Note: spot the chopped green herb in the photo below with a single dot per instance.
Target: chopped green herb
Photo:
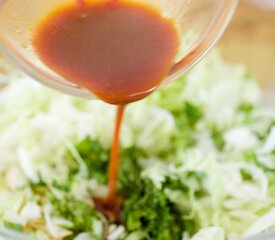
(192, 114)
(250, 156)
(13, 226)
(149, 209)
(218, 139)
(79, 213)
(95, 157)
(246, 108)
(186, 121)
(129, 172)
(246, 176)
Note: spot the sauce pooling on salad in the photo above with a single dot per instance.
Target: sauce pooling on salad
(117, 50)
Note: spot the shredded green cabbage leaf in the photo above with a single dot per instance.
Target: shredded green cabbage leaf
(197, 159)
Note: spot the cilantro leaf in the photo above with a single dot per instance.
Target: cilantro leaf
(13, 226)
(149, 209)
(218, 139)
(95, 157)
(129, 172)
(187, 119)
(81, 214)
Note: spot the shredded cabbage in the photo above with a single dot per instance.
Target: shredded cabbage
(210, 123)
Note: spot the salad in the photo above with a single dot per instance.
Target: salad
(197, 159)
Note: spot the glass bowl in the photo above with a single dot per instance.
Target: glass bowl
(236, 47)
(200, 24)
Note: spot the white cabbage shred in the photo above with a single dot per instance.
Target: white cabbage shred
(38, 126)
